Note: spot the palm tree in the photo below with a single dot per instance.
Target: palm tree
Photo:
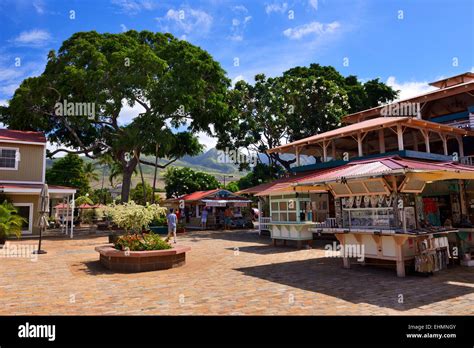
(89, 172)
(10, 221)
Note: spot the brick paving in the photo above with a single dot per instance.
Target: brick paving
(227, 273)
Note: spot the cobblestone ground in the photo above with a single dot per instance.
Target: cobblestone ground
(227, 273)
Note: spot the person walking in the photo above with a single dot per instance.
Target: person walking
(204, 215)
(171, 218)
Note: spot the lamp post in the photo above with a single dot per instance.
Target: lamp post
(229, 176)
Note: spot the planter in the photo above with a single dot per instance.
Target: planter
(159, 229)
(141, 261)
(113, 238)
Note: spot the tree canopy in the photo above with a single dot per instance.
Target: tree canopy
(304, 101)
(180, 181)
(175, 83)
(69, 171)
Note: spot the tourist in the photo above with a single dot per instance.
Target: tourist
(171, 218)
(204, 218)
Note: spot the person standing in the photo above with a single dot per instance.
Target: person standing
(204, 215)
(171, 218)
(227, 218)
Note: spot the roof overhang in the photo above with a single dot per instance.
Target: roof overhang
(368, 126)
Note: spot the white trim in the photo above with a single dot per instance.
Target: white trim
(22, 142)
(30, 218)
(35, 190)
(20, 182)
(43, 178)
(17, 154)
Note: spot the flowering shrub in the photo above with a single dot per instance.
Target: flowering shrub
(133, 217)
(137, 242)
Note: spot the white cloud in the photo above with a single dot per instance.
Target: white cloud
(313, 4)
(409, 89)
(128, 113)
(123, 27)
(3, 102)
(187, 20)
(240, 8)
(39, 6)
(33, 38)
(316, 28)
(205, 139)
(134, 6)
(237, 79)
(276, 7)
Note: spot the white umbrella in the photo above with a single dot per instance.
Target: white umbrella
(44, 212)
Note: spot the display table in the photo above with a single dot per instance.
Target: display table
(298, 231)
(383, 245)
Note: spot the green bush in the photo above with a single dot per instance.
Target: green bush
(136, 242)
(159, 222)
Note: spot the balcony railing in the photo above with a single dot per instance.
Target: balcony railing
(467, 160)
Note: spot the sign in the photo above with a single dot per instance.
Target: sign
(216, 204)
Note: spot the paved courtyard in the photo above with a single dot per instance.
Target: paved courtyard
(236, 273)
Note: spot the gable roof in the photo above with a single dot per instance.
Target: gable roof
(10, 135)
(369, 125)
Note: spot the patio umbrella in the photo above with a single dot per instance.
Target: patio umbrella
(44, 212)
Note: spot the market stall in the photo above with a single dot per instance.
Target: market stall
(217, 203)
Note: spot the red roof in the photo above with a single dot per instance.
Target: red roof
(200, 195)
(195, 196)
(16, 135)
(270, 186)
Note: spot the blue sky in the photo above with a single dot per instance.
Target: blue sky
(406, 43)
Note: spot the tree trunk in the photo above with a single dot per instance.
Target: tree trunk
(154, 175)
(127, 179)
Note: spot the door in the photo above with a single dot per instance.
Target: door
(25, 210)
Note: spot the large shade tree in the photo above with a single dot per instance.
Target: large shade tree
(302, 102)
(175, 83)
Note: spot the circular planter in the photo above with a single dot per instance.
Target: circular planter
(159, 229)
(141, 261)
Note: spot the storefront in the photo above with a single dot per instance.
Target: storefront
(190, 209)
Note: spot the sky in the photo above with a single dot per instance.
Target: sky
(405, 43)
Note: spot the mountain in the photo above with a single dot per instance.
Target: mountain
(207, 162)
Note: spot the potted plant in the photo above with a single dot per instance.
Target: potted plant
(132, 217)
(10, 222)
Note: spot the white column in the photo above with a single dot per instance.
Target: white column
(359, 145)
(381, 141)
(400, 137)
(260, 215)
(445, 143)
(67, 215)
(72, 220)
(461, 146)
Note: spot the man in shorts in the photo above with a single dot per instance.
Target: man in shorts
(171, 218)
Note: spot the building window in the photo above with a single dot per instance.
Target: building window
(8, 158)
